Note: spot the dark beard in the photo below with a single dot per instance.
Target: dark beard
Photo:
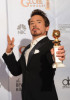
(36, 34)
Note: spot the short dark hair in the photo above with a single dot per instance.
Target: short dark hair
(41, 13)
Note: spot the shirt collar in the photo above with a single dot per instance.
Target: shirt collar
(34, 42)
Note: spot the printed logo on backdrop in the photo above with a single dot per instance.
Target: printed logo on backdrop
(21, 49)
(36, 3)
(21, 29)
(65, 28)
(18, 85)
(66, 82)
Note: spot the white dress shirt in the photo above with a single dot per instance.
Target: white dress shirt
(33, 43)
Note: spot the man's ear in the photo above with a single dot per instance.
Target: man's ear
(47, 28)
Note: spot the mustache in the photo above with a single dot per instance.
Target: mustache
(35, 28)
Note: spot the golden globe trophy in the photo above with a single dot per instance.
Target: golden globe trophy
(56, 35)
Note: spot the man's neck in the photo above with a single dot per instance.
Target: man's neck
(36, 37)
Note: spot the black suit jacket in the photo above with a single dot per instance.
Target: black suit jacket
(38, 75)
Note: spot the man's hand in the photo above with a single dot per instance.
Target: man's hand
(10, 44)
(60, 53)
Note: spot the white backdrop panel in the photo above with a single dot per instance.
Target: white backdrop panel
(14, 21)
(4, 80)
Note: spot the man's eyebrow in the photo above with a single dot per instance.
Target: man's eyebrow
(36, 20)
(39, 20)
(31, 21)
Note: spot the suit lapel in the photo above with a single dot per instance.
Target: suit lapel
(23, 53)
(26, 48)
(32, 52)
(37, 46)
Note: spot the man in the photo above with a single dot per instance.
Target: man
(35, 63)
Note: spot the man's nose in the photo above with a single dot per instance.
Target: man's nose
(34, 25)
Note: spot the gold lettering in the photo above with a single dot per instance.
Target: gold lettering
(39, 1)
(27, 3)
(34, 1)
(30, 1)
(47, 4)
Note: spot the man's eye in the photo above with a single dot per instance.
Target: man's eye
(32, 23)
(39, 22)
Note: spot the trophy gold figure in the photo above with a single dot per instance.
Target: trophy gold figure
(56, 35)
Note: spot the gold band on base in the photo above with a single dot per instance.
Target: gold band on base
(57, 65)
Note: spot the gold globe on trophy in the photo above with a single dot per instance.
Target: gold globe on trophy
(56, 35)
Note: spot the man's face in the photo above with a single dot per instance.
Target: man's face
(37, 26)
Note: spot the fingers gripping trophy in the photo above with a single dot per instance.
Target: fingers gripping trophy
(56, 35)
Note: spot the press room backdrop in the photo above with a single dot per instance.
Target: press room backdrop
(14, 15)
